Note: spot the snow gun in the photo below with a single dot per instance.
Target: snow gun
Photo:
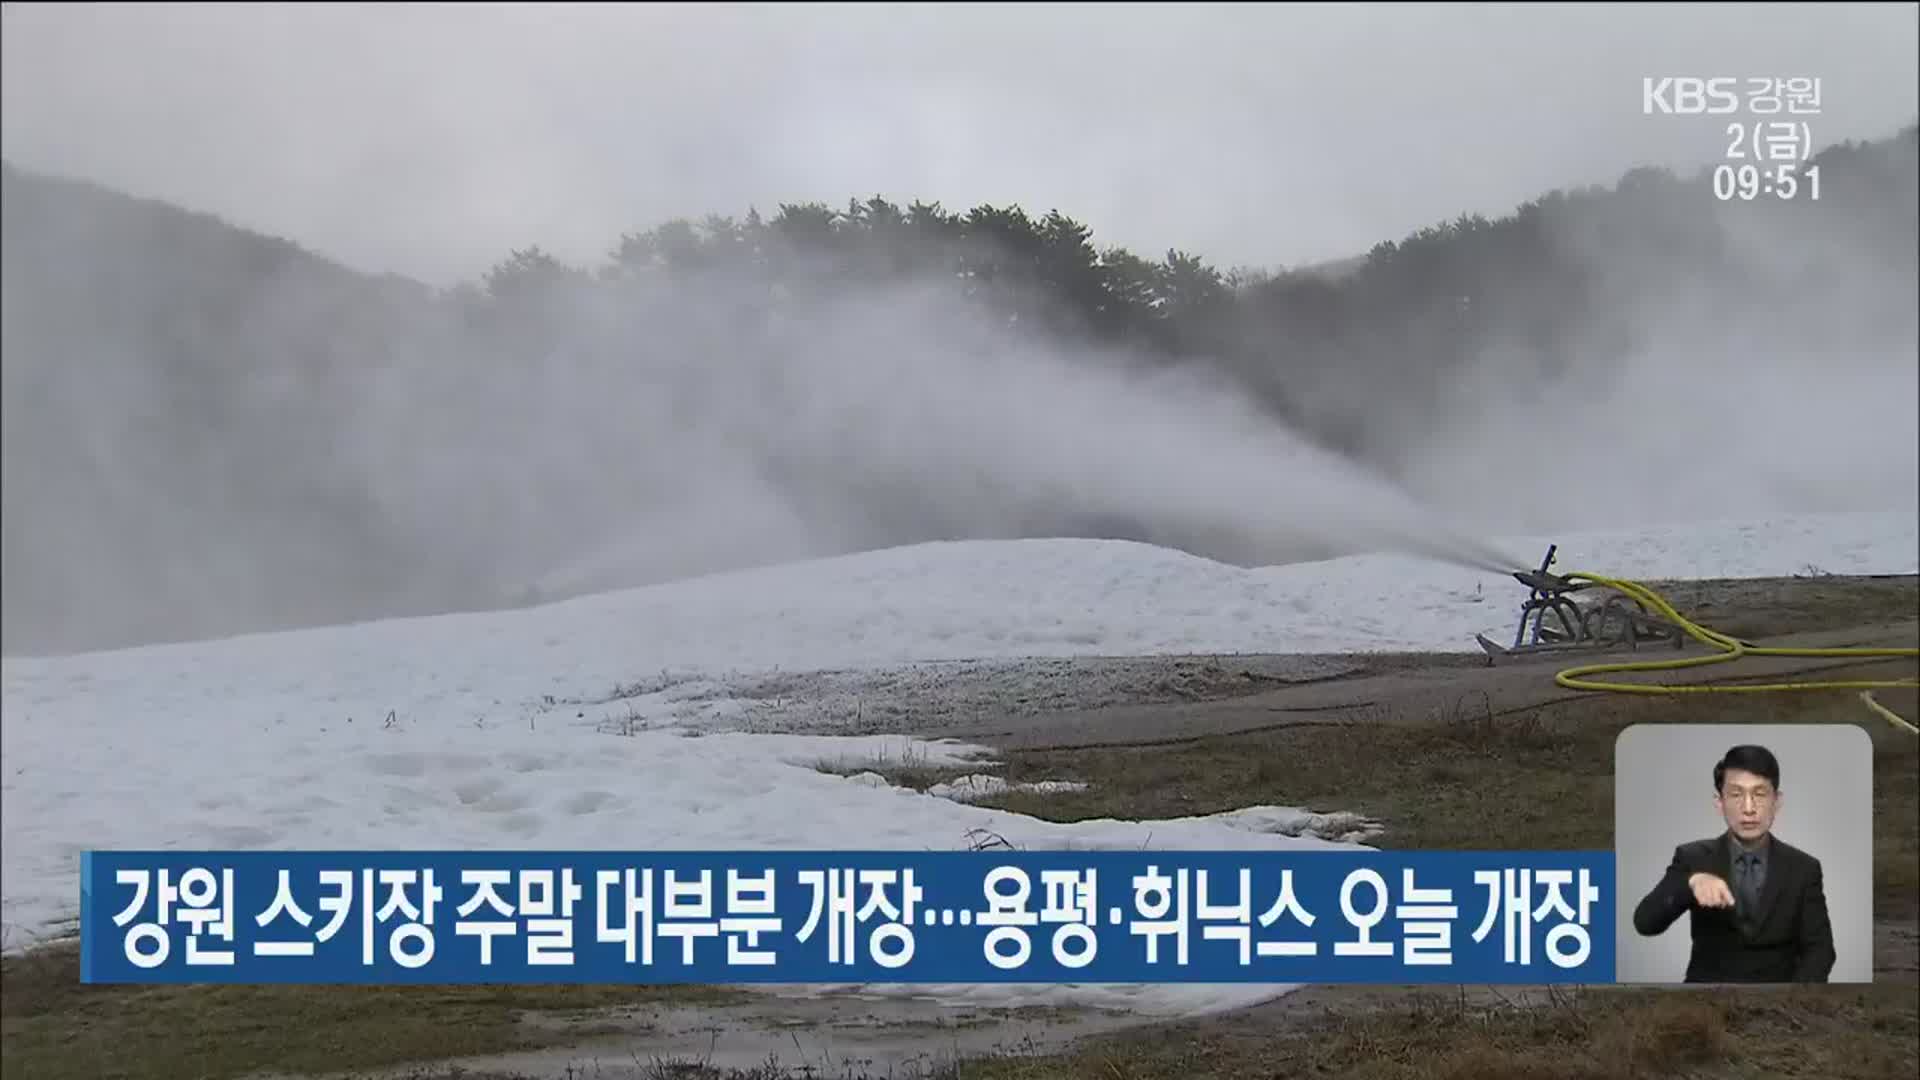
(1554, 620)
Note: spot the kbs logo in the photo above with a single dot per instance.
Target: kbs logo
(1688, 96)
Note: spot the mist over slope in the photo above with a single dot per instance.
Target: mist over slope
(178, 404)
(208, 431)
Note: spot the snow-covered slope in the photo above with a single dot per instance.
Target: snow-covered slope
(456, 731)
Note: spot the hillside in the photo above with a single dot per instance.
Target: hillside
(173, 453)
(207, 430)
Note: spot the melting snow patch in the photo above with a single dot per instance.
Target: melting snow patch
(982, 786)
(1338, 826)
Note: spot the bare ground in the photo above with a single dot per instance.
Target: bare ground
(1394, 737)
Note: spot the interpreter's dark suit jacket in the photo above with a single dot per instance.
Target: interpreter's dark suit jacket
(1789, 938)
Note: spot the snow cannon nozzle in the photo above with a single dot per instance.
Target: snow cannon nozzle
(1539, 579)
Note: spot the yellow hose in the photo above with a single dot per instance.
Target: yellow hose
(1892, 717)
(1730, 649)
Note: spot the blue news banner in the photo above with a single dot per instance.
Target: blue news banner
(447, 917)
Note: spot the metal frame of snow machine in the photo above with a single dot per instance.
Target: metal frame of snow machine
(1553, 621)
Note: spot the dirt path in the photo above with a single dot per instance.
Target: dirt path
(1396, 692)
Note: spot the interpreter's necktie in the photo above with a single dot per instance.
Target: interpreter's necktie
(1747, 884)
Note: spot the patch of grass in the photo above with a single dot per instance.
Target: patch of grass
(53, 1027)
(1469, 780)
(1466, 777)
(1597, 1034)
(1813, 603)
(1896, 811)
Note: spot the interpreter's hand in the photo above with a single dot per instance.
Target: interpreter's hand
(1710, 891)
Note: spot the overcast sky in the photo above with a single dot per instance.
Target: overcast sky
(431, 140)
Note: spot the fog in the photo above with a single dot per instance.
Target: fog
(902, 414)
(207, 435)
(677, 441)
(1791, 388)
